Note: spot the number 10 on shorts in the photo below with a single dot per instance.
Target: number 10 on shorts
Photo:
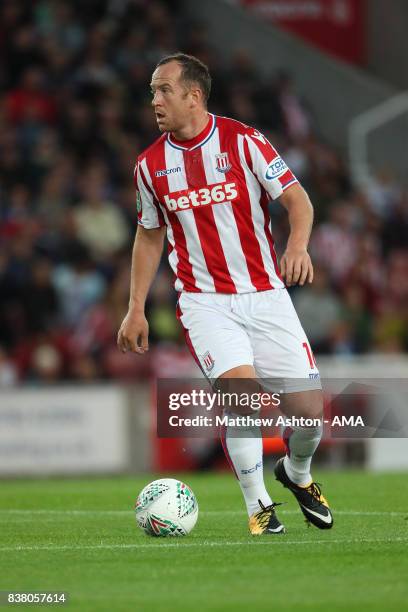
(310, 356)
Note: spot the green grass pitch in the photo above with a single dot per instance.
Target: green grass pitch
(80, 536)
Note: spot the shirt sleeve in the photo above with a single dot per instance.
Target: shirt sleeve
(149, 214)
(267, 165)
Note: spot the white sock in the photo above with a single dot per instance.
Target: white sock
(301, 443)
(246, 457)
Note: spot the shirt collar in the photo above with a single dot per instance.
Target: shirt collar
(197, 141)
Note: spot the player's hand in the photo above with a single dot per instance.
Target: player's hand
(296, 267)
(134, 333)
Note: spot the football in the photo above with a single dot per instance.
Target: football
(166, 507)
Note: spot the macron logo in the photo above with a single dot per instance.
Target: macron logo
(217, 195)
(167, 171)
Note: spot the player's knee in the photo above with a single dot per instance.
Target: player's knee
(239, 395)
(310, 412)
(306, 404)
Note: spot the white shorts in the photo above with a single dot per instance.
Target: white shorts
(260, 329)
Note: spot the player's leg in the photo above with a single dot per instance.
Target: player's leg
(221, 347)
(281, 350)
(302, 442)
(244, 451)
(293, 470)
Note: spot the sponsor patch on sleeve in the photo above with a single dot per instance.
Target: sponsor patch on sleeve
(276, 168)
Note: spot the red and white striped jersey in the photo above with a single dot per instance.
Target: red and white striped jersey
(212, 193)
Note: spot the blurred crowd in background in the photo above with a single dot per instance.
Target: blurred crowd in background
(75, 113)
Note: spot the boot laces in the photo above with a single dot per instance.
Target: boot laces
(265, 513)
(315, 489)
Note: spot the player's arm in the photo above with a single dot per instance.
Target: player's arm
(278, 180)
(296, 265)
(147, 250)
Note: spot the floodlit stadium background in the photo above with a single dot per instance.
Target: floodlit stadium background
(74, 115)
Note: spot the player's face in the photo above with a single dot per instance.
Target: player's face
(172, 101)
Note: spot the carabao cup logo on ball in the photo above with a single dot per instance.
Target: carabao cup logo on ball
(276, 168)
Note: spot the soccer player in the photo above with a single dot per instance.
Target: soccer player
(207, 181)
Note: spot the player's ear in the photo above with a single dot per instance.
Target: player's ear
(196, 96)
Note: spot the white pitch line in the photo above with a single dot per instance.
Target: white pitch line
(269, 542)
(202, 512)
